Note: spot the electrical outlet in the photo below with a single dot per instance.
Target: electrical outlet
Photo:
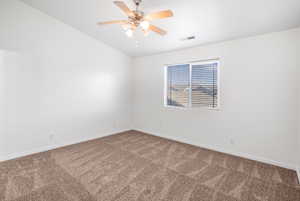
(51, 136)
(115, 124)
(232, 142)
(160, 124)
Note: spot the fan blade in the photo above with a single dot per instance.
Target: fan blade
(159, 15)
(157, 30)
(114, 22)
(124, 8)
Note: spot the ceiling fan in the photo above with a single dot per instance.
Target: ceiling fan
(137, 18)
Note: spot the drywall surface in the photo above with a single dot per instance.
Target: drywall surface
(298, 156)
(58, 85)
(257, 117)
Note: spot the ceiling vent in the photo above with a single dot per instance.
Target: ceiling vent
(188, 38)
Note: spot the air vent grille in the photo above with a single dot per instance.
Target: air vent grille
(188, 38)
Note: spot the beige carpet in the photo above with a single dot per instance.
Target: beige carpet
(134, 166)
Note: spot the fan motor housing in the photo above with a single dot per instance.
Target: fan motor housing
(137, 2)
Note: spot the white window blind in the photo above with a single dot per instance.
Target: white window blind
(193, 85)
(204, 85)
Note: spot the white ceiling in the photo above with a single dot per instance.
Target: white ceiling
(209, 20)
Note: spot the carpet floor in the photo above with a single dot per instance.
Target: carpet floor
(134, 166)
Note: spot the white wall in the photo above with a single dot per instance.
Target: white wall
(258, 99)
(298, 156)
(56, 80)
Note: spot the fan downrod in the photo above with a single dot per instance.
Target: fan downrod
(137, 2)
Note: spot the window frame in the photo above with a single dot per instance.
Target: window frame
(202, 62)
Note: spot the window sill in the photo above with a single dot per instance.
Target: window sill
(191, 108)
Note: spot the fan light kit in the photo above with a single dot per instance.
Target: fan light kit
(137, 18)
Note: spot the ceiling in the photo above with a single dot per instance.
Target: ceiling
(209, 20)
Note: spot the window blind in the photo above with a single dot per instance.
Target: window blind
(204, 85)
(178, 79)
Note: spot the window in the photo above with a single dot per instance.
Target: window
(192, 85)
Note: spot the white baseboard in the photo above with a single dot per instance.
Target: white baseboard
(234, 153)
(239, 154)
(50, 147)
(298, 173)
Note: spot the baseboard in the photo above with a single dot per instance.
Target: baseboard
(50, 147)
(298, 173)
(239, 154)
(234, 153)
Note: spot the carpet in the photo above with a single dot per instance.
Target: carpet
(134, 166)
